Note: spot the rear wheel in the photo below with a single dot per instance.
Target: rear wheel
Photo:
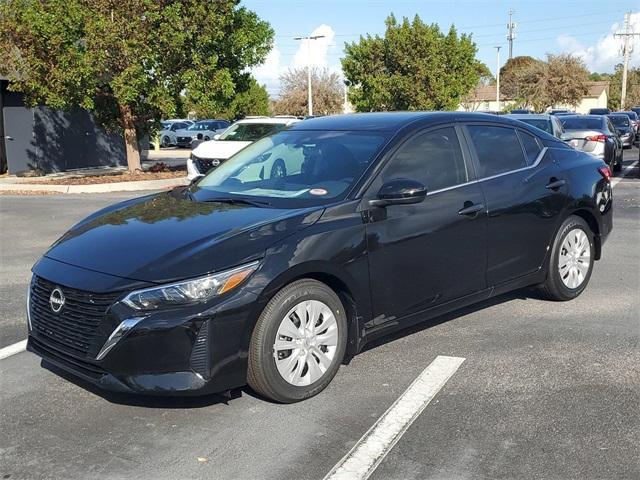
(571, 261)
(298, 343)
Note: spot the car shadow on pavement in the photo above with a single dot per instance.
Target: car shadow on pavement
(523, 294)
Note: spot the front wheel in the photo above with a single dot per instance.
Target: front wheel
(571, 261)
(298, 343)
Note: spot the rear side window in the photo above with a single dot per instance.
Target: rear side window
(433, 158)
(498, 149)
(531, 146)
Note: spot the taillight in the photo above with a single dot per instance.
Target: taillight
(606, 173)
(596, 138)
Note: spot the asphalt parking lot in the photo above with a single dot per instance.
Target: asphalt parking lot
(546, 390)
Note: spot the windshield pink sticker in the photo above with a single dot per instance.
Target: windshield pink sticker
(318, 191)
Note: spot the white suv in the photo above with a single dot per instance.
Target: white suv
(210, 154)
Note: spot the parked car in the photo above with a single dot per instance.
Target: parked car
(599, 111)
(522, 111)
(546, 123)
(388, 219)
(635, 121)
(624, 128)
(561, 111)
(594, 134)
(208, 129)
(169, 131)
(210, 154)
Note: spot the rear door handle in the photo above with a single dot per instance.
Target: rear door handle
(555, 184)
(471, 210)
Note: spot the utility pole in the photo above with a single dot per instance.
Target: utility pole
(498, 76)
(511, 26)
(309, 95)
(626, 35)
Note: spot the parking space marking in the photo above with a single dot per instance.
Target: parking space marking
(623, 173)
(13, 349)
(370, 450)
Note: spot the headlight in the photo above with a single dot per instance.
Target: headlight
(190, 291)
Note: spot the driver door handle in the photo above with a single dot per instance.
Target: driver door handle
(555, 184)
(471, 209)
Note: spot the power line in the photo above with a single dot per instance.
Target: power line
(627, 35)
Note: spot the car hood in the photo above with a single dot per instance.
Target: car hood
(218, 149)
(166, 237)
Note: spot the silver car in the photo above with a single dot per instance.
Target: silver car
(594, 134)
(547, 123)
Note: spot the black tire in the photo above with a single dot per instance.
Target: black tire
(262, 373)
(166, 141)
(206, 139)
(278, 169)
(617, 167)
(553, 287)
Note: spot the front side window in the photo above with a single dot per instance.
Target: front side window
(497, 148)
(433, 158)
(295, 167)
(531, 146)
(250, 132)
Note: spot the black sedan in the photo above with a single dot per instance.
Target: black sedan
(381, 221)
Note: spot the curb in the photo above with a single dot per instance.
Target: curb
(98, 187)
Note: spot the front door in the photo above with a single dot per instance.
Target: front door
(425, 254)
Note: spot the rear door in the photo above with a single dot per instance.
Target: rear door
(525, 191)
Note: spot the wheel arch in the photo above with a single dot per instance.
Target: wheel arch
(591, 220)
(340, 282)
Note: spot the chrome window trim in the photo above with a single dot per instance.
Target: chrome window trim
(529, 167)
(29, 306)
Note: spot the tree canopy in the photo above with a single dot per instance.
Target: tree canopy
(414, 66)
(326, 87)
(560, 80)
(132, 62)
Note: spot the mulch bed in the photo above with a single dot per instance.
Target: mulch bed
(28, 192)
(111, 178)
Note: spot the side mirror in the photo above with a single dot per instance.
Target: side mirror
(400, 191)
(216, 136)
(565, 137)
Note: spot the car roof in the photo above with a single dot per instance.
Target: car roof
(393, 121)
(525, 116)
(277, 121)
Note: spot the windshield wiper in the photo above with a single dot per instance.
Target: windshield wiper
(245, 201)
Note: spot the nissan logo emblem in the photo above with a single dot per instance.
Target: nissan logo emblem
(56, 300)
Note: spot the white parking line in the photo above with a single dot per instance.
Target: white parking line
(624, 171)
(13, 349)
(370, 450)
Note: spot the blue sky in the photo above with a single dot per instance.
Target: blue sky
(582, 27)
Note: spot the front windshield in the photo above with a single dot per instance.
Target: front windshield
(620, 120)
(250, 132)
(540, 123)
(304, 165)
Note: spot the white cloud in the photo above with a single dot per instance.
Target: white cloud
(318, 52)
(607, 52)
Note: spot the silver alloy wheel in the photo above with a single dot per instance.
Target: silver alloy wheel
(306, 343)
(575, 258)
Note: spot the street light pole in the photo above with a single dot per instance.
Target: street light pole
(309, 94)
(498, 76)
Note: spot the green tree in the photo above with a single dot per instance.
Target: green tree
(414, 66)
(130, 62)
(252, 100)
(615, 88)
(326, 87)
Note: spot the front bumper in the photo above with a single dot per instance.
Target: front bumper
(194, 350)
